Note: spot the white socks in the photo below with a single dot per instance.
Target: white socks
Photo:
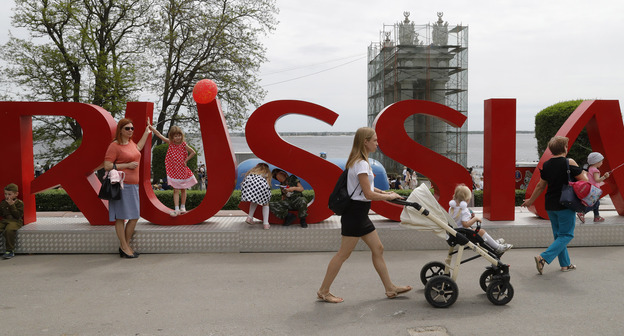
(488, 240)
(252, 209)
(265, 214)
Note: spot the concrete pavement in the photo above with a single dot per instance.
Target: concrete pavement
(274, 294)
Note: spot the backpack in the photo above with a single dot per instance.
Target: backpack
(340, 199)
(586, 192)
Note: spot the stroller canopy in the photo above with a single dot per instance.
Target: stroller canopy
(413, 219)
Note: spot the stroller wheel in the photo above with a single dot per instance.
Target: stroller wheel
(430, 270)
(486, 278)
(441, 291)
(500, 293)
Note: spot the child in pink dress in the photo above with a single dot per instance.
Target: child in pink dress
(594, 160)
(179, 176)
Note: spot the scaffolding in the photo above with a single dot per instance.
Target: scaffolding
(424, 62)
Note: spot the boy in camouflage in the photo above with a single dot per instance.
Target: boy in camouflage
(292, 199)
(12, 213)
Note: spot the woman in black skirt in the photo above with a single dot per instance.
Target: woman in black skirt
(355, 223)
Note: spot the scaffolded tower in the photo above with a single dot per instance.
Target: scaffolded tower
(425, 62)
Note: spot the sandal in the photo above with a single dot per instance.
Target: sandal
(568, 268)
(329, 297)
(539, 263)
(397, 291)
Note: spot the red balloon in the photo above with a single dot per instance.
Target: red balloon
(205, 91)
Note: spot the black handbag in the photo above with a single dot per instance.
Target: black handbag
(109, 190)
(568, 197)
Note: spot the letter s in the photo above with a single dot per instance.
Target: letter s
(394, 142)
(269, 146)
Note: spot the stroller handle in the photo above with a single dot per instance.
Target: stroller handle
(417, 206)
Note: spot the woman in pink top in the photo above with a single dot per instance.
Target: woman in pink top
(594, 160)
(124, 155)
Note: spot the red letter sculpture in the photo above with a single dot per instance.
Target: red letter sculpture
(74, 173)
(221, 173)
(603, 120)
(264, 141)
(394, 142)
(499, 159)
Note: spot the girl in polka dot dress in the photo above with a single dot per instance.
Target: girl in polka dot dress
(256, 189)
(179, 176)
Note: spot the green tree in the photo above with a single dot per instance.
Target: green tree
(78, 51)
(104, 52)
(549, 121)
(219, 39)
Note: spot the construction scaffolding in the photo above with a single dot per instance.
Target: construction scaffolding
(424, 62)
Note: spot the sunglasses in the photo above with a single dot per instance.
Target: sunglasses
(129, 128)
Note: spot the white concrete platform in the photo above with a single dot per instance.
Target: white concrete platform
(65, 232)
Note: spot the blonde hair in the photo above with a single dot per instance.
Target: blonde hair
(358, 151)
(462, 193)
(261, 169)
(173, 131)
(558, 145)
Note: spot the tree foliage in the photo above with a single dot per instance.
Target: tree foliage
(192, 40)
(78, 51)
(549, 121)
(109, 52)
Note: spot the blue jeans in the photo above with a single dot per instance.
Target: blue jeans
(562, 222)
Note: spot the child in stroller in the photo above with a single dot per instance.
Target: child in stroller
(465, 219)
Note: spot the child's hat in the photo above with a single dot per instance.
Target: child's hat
(594, 157)
(11, 187)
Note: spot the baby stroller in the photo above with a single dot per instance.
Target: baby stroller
(423, 212)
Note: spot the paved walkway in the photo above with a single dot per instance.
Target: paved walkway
(274, 294)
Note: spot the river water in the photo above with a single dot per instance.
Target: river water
(339, 146)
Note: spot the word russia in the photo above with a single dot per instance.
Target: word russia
(75, 173)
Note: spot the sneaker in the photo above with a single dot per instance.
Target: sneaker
(173, 213)
(581, 216)
(8, 255)
(183, 210)
(266, 226)
(500, 241)
(502, 248)
(598, 219)
(303, 223)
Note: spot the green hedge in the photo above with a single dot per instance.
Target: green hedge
(549, 120)
(58, 200)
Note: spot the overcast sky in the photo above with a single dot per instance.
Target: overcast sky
(539, 52)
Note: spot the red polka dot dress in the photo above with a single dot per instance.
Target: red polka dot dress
(179, 176)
